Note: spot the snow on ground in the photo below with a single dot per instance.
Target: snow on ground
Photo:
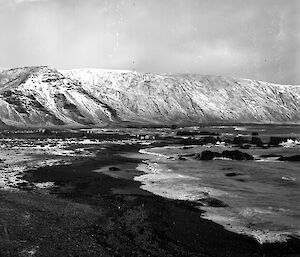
(19, 155)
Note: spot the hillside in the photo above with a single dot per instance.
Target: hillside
(43, 96)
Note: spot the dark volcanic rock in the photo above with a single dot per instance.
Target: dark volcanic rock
(275, 141)
(208, 155)
(181, 158)
(237, 155)
(231, 174)
(234, 155)
(114, 168)
(254, 134)
(293, 158)
(256, 141)
(270, 155)
(240, 140)
(190, 141)
(209, 140)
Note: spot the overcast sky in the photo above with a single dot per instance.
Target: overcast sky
(258, 39)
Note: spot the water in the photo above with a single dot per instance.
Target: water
(263, 198)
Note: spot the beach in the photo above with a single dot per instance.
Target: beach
(97, 209)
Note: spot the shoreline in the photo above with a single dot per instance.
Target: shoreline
(121, 219)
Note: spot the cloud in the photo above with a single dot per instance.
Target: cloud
(29, 1)
(24, 1)
(254, 39)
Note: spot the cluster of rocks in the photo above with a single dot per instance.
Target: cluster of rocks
(234, 155)
(241, 141)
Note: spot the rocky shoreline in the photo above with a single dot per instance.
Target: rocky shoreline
(90, 213)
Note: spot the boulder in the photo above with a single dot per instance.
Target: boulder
(237, 155)
(231, 174)
(275, 141)
(114, 169)
(209, 140)
(240, 140)
(209, 155)
(234, 155)
(256, 141)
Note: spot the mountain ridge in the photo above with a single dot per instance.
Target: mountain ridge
(41, 96)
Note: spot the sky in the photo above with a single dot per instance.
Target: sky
(255, 39)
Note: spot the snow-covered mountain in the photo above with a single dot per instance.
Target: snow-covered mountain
(43, 96)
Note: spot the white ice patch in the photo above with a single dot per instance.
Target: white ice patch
(290, 143)
(44, 185)
(142, 151)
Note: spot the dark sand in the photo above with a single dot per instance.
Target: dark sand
(94, 214)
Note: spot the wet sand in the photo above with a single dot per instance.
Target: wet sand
(92, 213)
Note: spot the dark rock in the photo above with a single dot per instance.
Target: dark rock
(293, 158)
(208, 133)
(240, 140)
(114, 168)
(185, 133)
(234, 155)
(181, 158)
(270, 155)
(231, 174)
(275, 141)
(256, 141)
(208, 155)
(190, 155)
(237, 155)
(187, 147)
(254, 133)
(245, 146)
(190, 141)
(209, 140)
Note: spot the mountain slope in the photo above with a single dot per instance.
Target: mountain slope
(42, 96)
